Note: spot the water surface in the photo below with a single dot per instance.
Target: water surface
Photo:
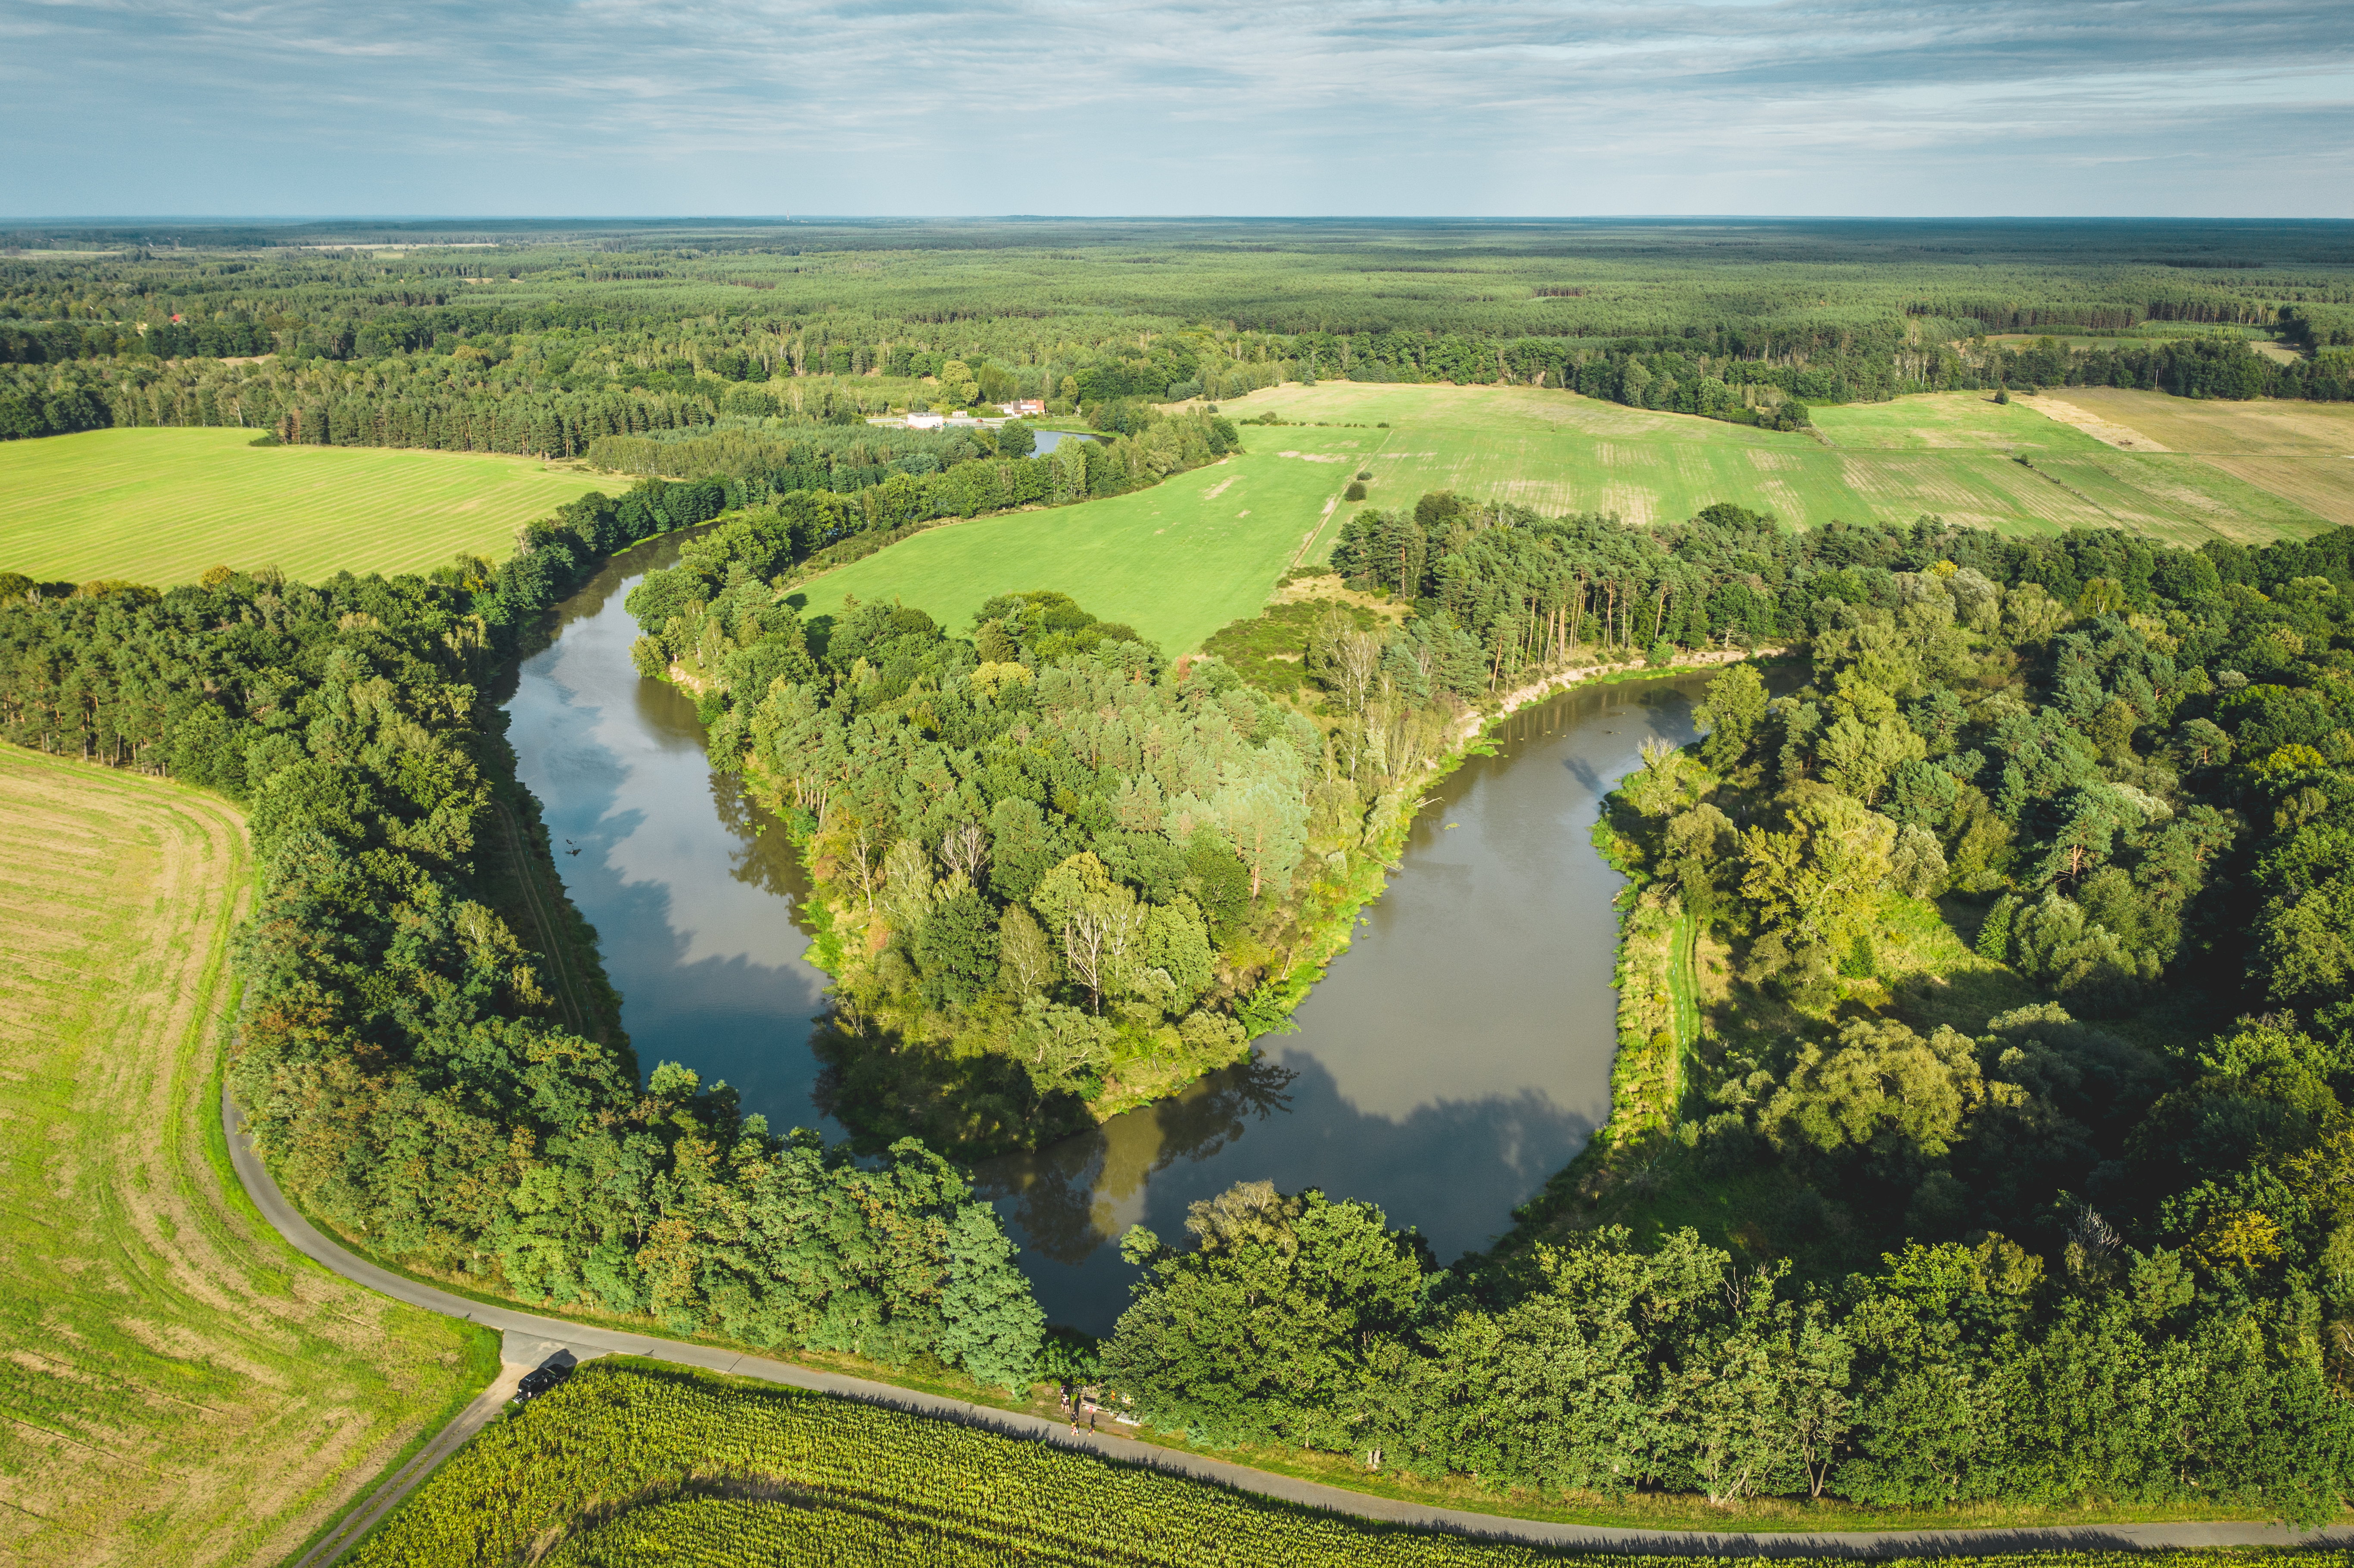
(692, 887)
(1453, 1058)
(1456, 1056)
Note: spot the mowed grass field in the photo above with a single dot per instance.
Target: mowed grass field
(1954, 454)
(161, 505)
(1176, 562)
(178, 1385)
(2301, 452)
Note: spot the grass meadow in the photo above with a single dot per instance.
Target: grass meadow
(180, 1386)
(160, 505)
(1176, 562)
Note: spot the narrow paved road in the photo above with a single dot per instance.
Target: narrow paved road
(545, 1336)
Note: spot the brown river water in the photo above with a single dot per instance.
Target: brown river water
(1453, 1058)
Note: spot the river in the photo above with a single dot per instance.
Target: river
(1454, 1057)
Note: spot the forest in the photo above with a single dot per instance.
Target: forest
(2013, 1162)
(2070, 1215)
(404, 1059)
(549, 342)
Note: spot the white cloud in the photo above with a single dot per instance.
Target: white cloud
(1491, 106)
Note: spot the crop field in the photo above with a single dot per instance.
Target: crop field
(633, 1462)
(180, 1386)
(1176, 562)
(160, 505)
(1953, 454)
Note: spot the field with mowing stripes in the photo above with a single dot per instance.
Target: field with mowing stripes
(1176, 562)
(181, 1386)
(2301, 452)
(160, 505)
(1955, 454)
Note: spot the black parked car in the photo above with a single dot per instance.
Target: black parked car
(535, 1383)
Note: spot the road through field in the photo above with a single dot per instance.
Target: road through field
(176, 1384)
(585, 1341)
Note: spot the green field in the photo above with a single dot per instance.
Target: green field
(161, 505)
(1951, 454)
(1176, 562)
(1182, 559)
(180, 1386)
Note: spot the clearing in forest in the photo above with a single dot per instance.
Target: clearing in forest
(160, 505)
(179, 1385)
(1176, 562)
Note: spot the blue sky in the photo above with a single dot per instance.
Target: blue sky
(1490, 107)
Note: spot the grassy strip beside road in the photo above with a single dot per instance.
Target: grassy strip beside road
(159, 506)
(180, 1387)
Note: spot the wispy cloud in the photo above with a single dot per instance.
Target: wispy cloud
(1490, 106)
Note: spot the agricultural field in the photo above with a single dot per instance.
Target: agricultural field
(1187, 557)
(160, 505)
(1176, 561)
(632, 1462)
(609, 1469)
(2301, 452)
(181, 1386)
(1955, 454)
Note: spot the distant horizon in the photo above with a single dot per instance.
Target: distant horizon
(120, 220)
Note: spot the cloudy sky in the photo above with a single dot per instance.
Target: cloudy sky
(1488, 107)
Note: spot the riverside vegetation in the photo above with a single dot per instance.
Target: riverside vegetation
(2047, 724)
(417, 1075)
(2058, 1213)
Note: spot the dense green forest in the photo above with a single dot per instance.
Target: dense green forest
(549, 339)
(1064, 872)
(405, 1061)
(2068, 1216)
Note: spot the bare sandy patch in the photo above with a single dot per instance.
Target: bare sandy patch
(2107, 431)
